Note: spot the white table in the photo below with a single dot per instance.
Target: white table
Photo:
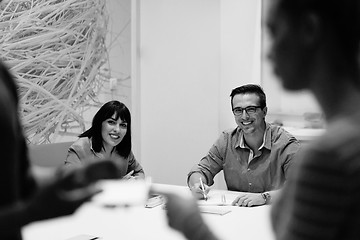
(150, 223)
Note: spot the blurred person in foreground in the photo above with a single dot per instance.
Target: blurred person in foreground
(24, 197)
(315, 47)
(109, 137)
(255, 156)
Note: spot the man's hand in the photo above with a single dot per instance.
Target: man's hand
(198, 192)
(248, 200)
(195, 185)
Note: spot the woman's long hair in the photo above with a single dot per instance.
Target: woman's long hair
(105, 112)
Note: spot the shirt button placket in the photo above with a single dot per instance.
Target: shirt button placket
(248, 177)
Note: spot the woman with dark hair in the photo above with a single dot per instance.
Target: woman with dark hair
(108, 138)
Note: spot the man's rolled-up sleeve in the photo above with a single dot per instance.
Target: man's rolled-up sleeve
(290, 154)
(212, 163)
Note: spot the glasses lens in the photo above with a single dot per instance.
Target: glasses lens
(250, 109)
(237, 111)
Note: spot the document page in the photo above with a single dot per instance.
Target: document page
(218, 199)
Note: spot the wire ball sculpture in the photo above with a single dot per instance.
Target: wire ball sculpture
(56, 51)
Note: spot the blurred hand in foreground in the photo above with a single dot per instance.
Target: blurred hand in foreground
(184, 215)
(63, 194)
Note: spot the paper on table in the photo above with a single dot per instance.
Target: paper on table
(218, 199)
(214, 210)
(122, 193)
(83, 237)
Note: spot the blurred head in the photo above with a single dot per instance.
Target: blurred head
(8, 80)
(13, 145)
(306, 31)
(111, 125)
(248, 104)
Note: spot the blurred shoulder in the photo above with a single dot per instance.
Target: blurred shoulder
(279, 132)
(338, 148)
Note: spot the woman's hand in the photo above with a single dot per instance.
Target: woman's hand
(129, 175)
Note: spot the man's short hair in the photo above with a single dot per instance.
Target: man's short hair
(250, 88)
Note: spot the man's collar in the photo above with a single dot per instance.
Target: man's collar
(266, 138)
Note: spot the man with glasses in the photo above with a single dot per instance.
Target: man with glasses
(255, 156)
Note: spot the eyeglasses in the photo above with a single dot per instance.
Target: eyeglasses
(249, 110)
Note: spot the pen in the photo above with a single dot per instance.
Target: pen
(203, 189)
(223, 199)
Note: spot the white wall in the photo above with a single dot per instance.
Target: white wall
(118, 41)
(179, 65)
(240, 51)
(187, 56)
